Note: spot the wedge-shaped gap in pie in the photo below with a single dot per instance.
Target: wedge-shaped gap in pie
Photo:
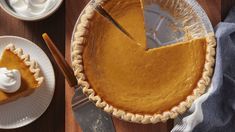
(160, 21)
(134, 84)
(139, 81)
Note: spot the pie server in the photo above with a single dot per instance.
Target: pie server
(90, 118)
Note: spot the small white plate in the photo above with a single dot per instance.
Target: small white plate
(27, 109)
(9, 10)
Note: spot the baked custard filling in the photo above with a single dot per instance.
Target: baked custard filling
(29, 82)
(13, 61)
(128, 13)
(130, 78)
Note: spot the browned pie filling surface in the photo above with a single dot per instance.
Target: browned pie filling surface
(130, 78)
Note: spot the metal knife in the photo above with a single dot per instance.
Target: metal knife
(89, 117)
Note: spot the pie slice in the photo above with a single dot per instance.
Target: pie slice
(13, 58)
(131, 83)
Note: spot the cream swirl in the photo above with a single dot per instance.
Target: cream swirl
(10, 80)
(31, 8)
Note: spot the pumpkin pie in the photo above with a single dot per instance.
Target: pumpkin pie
(130, 82)
(14, 58)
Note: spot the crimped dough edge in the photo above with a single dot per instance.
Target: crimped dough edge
(78, 41)
(33, 65)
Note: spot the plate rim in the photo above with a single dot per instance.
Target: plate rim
(20, 125)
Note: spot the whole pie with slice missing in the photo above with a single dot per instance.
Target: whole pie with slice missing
(14, 58)
(130, 82)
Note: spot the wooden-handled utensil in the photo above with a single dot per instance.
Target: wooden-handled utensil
(90, 118)
(61, 62)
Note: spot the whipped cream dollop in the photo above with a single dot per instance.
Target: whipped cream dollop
(32, 8)
(10, 80)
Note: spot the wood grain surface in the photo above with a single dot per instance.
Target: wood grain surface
(59, 116)
(53, 119)
(73, 9)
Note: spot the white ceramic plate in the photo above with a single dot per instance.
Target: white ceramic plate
(27, 109)
(8, 10)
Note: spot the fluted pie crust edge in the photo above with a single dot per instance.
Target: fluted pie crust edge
(33, 66)
(78, 42)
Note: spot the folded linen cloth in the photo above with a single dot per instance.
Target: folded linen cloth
(215, 110)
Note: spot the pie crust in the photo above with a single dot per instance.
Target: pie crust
(77, 48)
(33, 68)
(33, 65)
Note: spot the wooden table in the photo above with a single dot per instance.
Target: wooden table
(58, 117)
(53, 119)
(73, 9)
